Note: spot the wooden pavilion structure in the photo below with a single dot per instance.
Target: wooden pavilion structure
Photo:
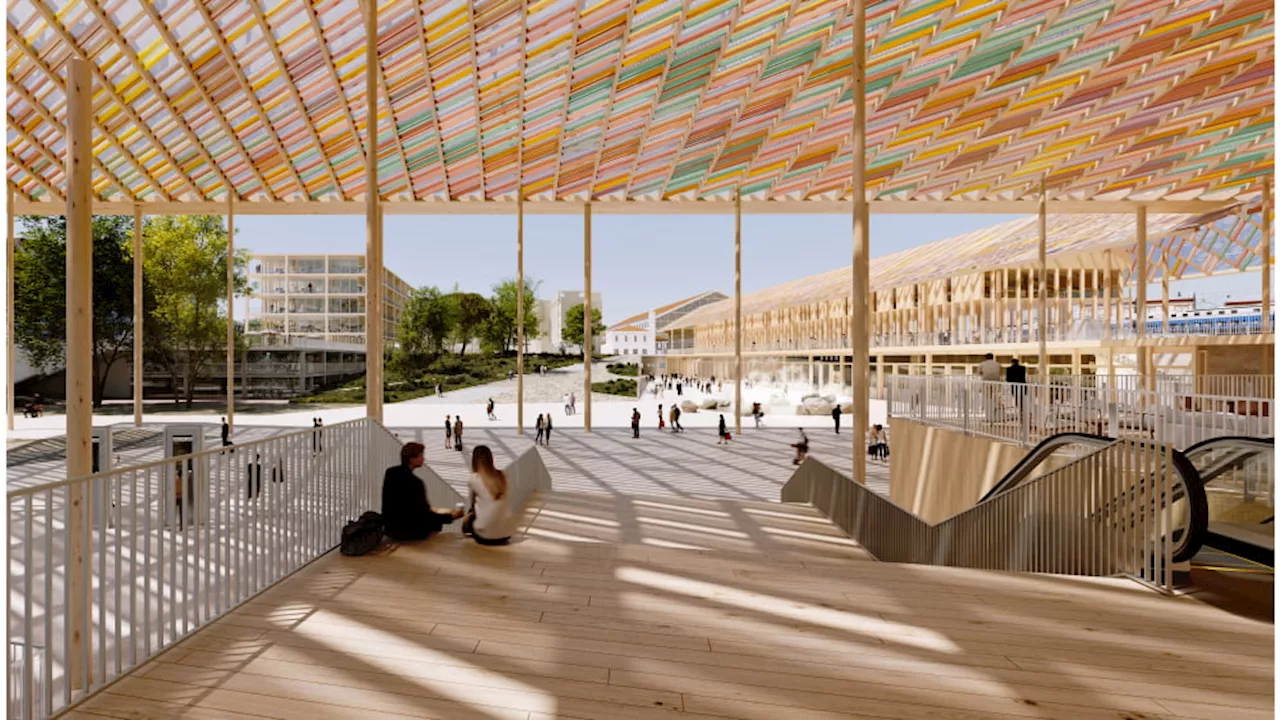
(626, 106)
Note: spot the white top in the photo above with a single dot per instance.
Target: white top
(989, 370)
(494, 519)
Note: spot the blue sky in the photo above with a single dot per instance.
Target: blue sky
(638, 261)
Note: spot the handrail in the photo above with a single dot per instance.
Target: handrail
(1100, 515)
(107, 570)
(1039, 454)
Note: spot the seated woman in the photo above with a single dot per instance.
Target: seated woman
(406, 514)
(490, 521)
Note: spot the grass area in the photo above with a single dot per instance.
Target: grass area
(624, 369)
(451, 371)
(624, 386)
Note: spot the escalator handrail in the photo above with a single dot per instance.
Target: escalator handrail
(1244, 439)
(1039, 454)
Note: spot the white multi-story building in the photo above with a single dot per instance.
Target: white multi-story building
(645, 334)
(551, 321)
(319, 297)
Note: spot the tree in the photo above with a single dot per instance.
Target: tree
(185, 258)
(40, 293)
(428, 321)
(574, 327)
(498, 332)
(473, 310)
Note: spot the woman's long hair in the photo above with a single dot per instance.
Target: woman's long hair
(495, 481)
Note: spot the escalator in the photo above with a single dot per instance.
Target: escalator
(1235, 569)
(1190, 508)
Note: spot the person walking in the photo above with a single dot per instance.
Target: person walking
(662, 420)
(566, 404)
(439, 391)
(320, 434)
(573, 404)
(541, 426)
(448, 432)
(546, 439)
(489, 409)
(635, 423)
(457, 434)
(679, 390)
(675, 418)
(755, 414)
(835, 415)
(226, 433)
(724, 432)
(802, 448)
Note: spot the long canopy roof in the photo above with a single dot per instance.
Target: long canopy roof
(647, 99)
(1193, 246)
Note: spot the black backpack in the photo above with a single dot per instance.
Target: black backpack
(361, 537)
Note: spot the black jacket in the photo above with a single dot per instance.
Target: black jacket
(405, 511)
(1016, 374)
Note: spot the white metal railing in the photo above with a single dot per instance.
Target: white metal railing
(1242, 385)
(1029, 413)
(108, 570)
(1109, 513)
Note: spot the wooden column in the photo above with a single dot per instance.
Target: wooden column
(1106, 295)
(231, 310)
(1265, 218)
(586, 314)
(1041, 290)
(1140, 288)
(138, 318)
(373, 222)
(1164, 289)
(737, 314)
(520, 312)
(861, 282)
(10, 246)
(79, 373)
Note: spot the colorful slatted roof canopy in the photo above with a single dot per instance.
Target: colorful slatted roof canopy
(647, 99)
(1224, 242)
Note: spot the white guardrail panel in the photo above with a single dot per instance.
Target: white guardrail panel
(170, 546)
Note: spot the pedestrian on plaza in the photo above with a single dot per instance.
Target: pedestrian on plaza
(226, 433)
(878, 443)
(662, 421)
(541, 430)
(1016, 375)
(635, 423)
(406, 513)
(835, 415)
(546, 439)
(457, 434)
(566, 404)
(724, 432)
(489, 409)
(448, 432)
(439, 391)
(573, 403)
(802, 448)
(490, 520)
(755, 414)
(675, 421)
(679, 389)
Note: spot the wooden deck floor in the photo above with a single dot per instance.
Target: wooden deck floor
(670, 608)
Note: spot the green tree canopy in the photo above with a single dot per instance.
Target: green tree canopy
(473, 310)
(498, 332)
(40, 293)
(428, 321)
(185, 259)
(574, 327)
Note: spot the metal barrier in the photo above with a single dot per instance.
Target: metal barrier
(184, 541)
(1029, 413)
(1106, 514)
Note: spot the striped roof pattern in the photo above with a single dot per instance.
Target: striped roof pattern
(1225, 242)
(660, 311)
(648, 99)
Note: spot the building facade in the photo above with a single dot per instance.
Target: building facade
(646, 333)
(551, 322)
(319, 297)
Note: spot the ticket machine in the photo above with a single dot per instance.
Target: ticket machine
(185, 476)
(102, 490)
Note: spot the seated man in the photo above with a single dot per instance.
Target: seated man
(406, 514)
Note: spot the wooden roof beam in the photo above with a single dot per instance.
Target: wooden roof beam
(613, 92)
(323, 46)
(292, 87)
(246, 87)
(58, 82)
(38, 179)
(475, 78)
(175, 47)
(104, 83)
(581, 6)
(657, 95)
(420, 15)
